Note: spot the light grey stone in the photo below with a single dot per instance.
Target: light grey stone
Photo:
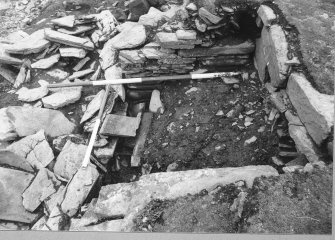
(62, 98)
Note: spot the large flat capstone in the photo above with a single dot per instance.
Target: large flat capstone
(29, 120)
(129, 198)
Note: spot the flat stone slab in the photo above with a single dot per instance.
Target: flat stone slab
(72, 52)
(130, 198)
(129, 38)
(123, 126)
(67, 21)
(34, 43)
(7, 129)
(29, 120)
(35, 149)
(69, 40)
(246, 47)
(44, 184)
(69, 160)
(62, 98)
(316, 110)
(8, 158)
(46, 62)
(78, 189)
(108, 56)
(31, 95)
(12, 185)
(93, 106)
(6, 58)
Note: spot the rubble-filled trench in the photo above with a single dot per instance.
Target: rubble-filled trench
(192, 146)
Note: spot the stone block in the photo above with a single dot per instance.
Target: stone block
(266, 14)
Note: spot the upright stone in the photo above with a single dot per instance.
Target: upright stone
(138, 8)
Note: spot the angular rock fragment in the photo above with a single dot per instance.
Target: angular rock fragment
(28, 121)
(23, 73)
(59, 142)
(67, 21)
(13, 183)
(35, 149)
(44, 184)
(62, 98)
(58, 74)
(186, 34)
(93, 106)
(76, 30)
(35, 43)
(54, 199)
(207, 16)
(115, 72)
(78, 189)
(7, 73)
(66, 39)
(69, 160)
(129, 38)
(72, 52)
(266, 14)
(156, 104)
(107, 151)
(141, 138)
(108, 56)
(107, 24)
(192, 7)
(152, 17)
(7, 129)
(115, 125)
(8, 158)
(46, 62)
(80, 74)
(231, 80)
(133, 55)
(170, 40)
(316, 110)
(31, 95)
(81, 64)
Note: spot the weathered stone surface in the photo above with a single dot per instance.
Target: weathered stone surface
(31, 95)
(115, 72)
(35, 149)
(107, 26)
(108, 151)
(44, 184)
(54, 199)
(115, 125)
(192, 7)
(33, 44)
(72, 52)
(151, 18)
(81, 64)
(67, 39)
(12, 185)
(129, 38)
(170, 40)
(207, 16)
(29, 120)
(58, 74)
(315, 110)
(7, 129)
(141, 138)
(246, 47)
(59, 142)
(40, 224)
(93, 106)
(46, 62)
(129, 198)
(23, 75)
(80, 74)
(152, 53)
(76, 30)
(186, 34)
(62, 98)
(156, 104)
(108, 56)
(67, 21)
(266, 14)
(259, 59)
(78, 189)
(8, 158)
(7, 73)
(138, 8)
(133, 56)
(69, 160)
(304, 143)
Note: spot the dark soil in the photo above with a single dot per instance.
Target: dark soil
(190, 134)
(297, 203)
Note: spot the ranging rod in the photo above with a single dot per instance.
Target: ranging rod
(146, 79)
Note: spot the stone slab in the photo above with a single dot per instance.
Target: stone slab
(12, 185)
(62, 98)
(29, 120)
(8, 158)
(123, 126)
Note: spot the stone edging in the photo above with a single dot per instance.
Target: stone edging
(313, 128)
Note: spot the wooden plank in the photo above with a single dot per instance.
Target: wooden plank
(67, 39)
